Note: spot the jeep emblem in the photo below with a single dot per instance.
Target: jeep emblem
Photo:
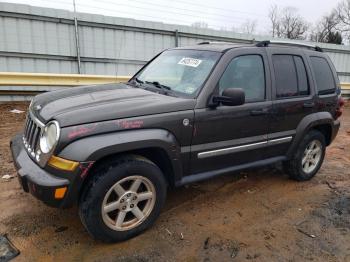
(186, 122)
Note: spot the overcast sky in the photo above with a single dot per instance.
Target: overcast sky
(218, 14)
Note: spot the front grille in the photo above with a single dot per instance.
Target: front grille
(31, 135)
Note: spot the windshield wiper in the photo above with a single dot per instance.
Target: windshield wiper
(135, 82)
(138, 80)
(158, 85)
(153, 83)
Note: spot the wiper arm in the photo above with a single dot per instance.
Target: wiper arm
(138, 80)
(135, 82)
(157, 84)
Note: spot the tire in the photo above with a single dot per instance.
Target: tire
(104, 191)
(296, 167)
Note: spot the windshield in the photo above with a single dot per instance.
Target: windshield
(182, 71)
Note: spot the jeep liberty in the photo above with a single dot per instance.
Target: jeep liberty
(191, 113)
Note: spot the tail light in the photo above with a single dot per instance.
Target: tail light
(340, 106)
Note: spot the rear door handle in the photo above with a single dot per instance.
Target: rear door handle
(259, 112)
(309, 104)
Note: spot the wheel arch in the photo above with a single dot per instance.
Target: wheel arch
(154, 155)
(326, 130)
(321, 121)
(157, 145)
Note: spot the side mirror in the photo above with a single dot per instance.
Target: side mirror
(230, 97)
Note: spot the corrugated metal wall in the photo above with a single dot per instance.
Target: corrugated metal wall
(42, 40)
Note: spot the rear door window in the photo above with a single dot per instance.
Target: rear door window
(290, 76)
(323, 74)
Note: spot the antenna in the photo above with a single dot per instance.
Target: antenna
(118, 56)
(76, 37)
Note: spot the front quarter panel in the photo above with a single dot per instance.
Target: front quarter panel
(93, 141)
(96, 147)
(93, 148)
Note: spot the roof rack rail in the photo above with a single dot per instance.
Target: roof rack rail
(288, 43)
(204, 43)
(215, 42)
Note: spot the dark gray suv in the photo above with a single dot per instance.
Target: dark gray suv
(189, 114)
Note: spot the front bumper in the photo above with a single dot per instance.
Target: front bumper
(33, 178)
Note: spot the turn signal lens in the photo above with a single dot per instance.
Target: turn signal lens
(62, 163)
(60, 192)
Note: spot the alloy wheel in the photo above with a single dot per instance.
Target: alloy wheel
(128, 203)
(312, 156)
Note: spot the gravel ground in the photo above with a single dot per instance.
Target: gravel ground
(256, 215)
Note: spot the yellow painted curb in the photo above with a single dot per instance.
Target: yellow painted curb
(44, 79)
(345, 86)
(47, 79)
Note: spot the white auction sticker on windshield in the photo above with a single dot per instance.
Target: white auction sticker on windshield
(187, 61)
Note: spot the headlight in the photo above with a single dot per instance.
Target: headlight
(49, 137)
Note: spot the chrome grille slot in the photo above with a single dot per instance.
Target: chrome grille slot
(26, 126)
(30, 122)
(36, 137)
(31, 134)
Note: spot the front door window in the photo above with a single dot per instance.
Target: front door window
(246, 72)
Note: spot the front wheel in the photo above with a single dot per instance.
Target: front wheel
(308, 158)
(122, 200)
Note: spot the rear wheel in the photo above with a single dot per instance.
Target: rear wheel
(122, 200)
(308, 158)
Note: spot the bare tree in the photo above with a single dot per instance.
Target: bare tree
(342, 12)
(249, 27)
(326, 30)
(200, 24)
(292, 25)
(287, 23)
(273, 15)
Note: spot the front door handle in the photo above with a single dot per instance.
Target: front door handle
(309, 104)
(259, 112)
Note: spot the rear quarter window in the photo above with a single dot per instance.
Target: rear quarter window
(323, 75)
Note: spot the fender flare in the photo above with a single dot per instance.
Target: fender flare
(306, 124)
(96, 147)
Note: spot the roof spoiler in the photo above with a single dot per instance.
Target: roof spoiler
(288, 43)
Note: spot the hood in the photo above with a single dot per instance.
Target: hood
(80, 105)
